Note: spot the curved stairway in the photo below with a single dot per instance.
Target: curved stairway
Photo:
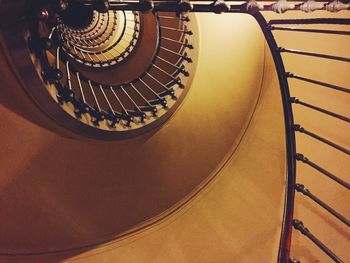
(204, 184)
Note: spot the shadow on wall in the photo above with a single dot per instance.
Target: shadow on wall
(58, 192)
(13, 98)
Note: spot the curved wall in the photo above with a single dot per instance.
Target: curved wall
(237, 217)
(59, 192)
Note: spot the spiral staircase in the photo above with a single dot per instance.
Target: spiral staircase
(174, 131)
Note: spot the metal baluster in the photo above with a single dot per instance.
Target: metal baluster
(169, 90)
(300, 129)
(321, 31)
(312, 54)
(81, 107)
(142, 114)
(320, 83)
(176, 80)
(68, 76)
(128, 116)
(310, 21)
(297, 224)
(335, 115)
(153, 108)
(80, 87)
(185, 31)
(94, 95)
(185, 44)
(183, 18)
(162, 100)
(58, 58)
(305, 160)
(112, 113)
(302, 189)
(183, 56)
(181, 69)
(106, 98)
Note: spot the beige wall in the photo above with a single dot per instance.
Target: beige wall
(59, 192)
(236, 218)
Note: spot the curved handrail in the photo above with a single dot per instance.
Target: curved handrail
(286, 233)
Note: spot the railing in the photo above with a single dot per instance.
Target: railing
(77, 62)
(274, 25)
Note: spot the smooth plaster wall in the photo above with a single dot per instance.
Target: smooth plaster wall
(59, 192)
(237, 217)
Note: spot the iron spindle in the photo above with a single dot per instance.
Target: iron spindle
(302, 189)
(335, 115)
(320, 83)
(305, 160)
(298, 225)
(307, 30)
(331, 21)
(300, 129)
(312, 54)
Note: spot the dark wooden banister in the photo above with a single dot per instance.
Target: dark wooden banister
(286, 233)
